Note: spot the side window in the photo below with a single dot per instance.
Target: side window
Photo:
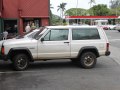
(85, 34)
(57, 35)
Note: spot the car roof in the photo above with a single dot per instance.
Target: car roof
(71, 26)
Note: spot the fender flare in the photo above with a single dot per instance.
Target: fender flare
(90, 48)
(21, 49)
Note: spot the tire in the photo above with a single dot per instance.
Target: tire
(20, 62)
(87, 60)
(118, 30)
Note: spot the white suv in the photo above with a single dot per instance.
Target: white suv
(80, 44)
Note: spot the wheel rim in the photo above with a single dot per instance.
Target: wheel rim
(22, 63)
(88, 60)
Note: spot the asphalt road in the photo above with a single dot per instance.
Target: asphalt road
(114, 38)
(63, 75)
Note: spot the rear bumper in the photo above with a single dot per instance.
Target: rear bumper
(107, 53)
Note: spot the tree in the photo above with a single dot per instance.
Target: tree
(115, 3)
(100, 10)
(51, 7)
(80, 12)
(91, 1)
(115, 11)
(51, 14)
(55, 19)
(61, 7)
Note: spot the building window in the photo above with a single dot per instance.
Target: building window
(33, 22)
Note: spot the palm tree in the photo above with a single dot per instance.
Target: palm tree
(91, 1)
(115, 4)
(61, 7)
(51, 7)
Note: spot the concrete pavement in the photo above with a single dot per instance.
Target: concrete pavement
(115, 54)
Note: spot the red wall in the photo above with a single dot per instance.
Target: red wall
(29, 8)
(34, 7)
(0, 8)
(10, 8)
(45, 22)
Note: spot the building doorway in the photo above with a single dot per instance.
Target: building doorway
(31, 21)
(11, 26)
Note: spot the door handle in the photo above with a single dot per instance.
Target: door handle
(66, 42)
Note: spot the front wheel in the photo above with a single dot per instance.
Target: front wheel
(20, 62)
(88, 60)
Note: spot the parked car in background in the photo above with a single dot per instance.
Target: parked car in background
(111, 27)
(117, 27)
(104, 27)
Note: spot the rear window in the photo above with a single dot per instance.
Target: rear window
(85, 34)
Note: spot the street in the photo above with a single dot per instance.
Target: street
(63, 75)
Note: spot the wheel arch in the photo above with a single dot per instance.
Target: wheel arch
(14, 51)
(88, 49)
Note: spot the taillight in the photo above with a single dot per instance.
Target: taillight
(2, 50)
(107, 46)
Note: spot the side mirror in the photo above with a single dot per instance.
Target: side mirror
(42, 39)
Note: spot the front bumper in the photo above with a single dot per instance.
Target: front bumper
(0, 57)
(3, 57)
(107, 53)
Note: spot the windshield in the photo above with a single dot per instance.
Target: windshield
(39, 34)
(30, 34)
(22, 36)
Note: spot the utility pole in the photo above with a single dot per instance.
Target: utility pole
(77, 10)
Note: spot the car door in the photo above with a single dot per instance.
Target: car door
(55, 44)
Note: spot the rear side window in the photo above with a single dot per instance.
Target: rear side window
(85, 33)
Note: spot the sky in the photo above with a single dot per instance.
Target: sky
(73, 3)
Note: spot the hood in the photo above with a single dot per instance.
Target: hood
(16, 41)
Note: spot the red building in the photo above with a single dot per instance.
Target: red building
(18, 13)
(0, 14)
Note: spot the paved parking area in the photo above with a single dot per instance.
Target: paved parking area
(63, 75)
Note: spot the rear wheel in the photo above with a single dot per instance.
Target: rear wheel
(87, 60)
(20, 62)
(118, 30)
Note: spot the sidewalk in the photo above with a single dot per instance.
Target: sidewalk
(115, 54)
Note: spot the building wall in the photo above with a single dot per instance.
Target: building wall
(0, 6)
(45, 22)
(0, 25)
(26, 9)
(29, 8)
(38, 8)
(10, 8)
(0, 16)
